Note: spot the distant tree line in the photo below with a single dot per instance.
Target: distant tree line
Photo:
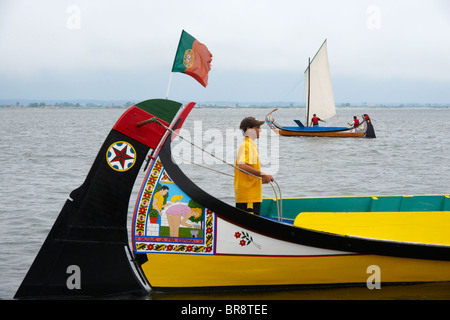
(65, 104)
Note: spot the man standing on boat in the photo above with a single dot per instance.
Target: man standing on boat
(249, 179)
(315, 120)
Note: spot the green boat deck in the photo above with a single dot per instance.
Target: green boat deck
(291, 207)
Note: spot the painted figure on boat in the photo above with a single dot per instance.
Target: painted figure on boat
(160, 198)
(179, 213)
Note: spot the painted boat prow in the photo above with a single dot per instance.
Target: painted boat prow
(86, 253)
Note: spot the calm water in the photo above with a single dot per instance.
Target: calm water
(45, 154)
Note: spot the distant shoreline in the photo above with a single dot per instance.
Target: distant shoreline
(221, 106)
(123, 104)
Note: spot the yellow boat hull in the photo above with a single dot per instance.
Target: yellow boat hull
(177, 271)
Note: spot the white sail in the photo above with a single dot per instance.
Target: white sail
(319, 91)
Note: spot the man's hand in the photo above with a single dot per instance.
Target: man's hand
(266, 178)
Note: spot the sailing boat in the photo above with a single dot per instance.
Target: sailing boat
(320, 102)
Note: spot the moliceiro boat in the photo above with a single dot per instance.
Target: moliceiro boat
(184, 239)
(363, 130)
(320, 103)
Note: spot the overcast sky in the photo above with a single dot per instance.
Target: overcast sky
(379, 51)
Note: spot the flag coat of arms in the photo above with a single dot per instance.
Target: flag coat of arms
(192, 58)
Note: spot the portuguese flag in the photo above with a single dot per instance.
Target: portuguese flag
(192, 58)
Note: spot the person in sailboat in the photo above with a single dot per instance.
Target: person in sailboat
(315, 120)
(249, 179)
(354, 123)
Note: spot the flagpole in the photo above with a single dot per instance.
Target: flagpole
(168, 87)
(173, 66)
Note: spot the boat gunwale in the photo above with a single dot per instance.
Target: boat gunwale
(341, 134)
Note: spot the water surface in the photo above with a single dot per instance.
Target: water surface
(47, 153)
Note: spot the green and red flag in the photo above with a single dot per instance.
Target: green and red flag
(192, 58)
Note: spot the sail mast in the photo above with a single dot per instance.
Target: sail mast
(309, 91)
(320, 89)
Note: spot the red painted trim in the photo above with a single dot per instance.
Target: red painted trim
(149, 134)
